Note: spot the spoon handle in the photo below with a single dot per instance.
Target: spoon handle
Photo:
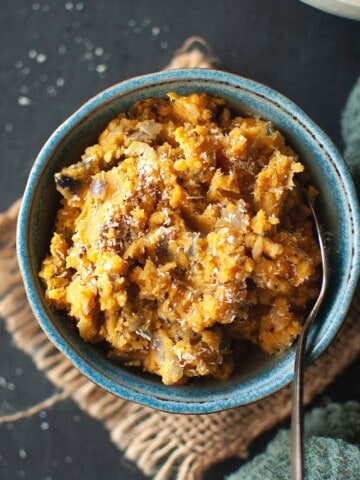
(297, 413)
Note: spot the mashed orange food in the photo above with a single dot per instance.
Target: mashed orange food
(181, 237)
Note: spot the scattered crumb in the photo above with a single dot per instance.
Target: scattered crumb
(62, 49)
(24, 101)
(60, 82)
(22, 454)
(101, 68)
(41, 58)
(155, 30)
(44, 426)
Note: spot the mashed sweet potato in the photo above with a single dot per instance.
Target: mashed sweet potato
(181, 237)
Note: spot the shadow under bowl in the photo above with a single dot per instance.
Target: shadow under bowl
(259, 375)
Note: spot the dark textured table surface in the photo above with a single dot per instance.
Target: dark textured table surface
(55, 55)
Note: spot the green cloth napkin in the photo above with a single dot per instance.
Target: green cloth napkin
(332, 432)
(350, 126)
(331, 450)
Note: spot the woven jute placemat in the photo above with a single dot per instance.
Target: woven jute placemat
(164, 446)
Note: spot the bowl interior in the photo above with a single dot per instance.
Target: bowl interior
(259, 374)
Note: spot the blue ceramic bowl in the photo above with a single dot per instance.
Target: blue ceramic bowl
(259, 375)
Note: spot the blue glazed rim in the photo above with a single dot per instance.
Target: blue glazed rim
(130, 387)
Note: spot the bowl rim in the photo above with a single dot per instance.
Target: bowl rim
(342, 8)
(281, 374)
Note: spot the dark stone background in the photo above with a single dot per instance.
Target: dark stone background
(54, 55)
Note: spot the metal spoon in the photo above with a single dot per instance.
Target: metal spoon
(297, 434)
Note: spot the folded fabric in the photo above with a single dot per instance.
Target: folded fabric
(350, 126)
(331, 449)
